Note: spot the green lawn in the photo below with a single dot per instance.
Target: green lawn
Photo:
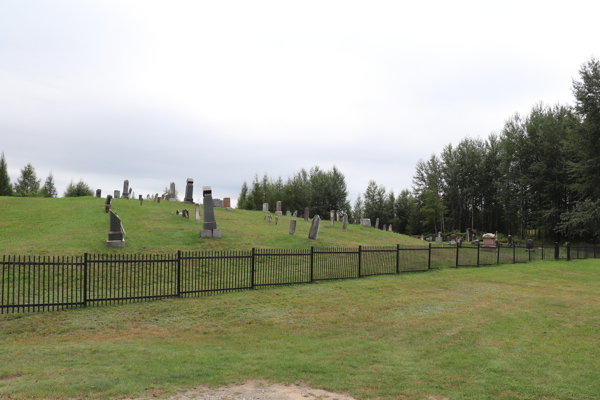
(526, 331)
(73, 226)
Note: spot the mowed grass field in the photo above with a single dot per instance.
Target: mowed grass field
(73, 226)
(525, 331)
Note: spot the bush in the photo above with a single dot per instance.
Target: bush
(78, 190)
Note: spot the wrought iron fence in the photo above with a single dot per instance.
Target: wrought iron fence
(42, 283)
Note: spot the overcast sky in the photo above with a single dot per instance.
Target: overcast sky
(217, 91)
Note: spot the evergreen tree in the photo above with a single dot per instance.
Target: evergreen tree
(358, 208)
(79, 189)
(241, 203)
(27, 185)
(49, 189)
(5, 186)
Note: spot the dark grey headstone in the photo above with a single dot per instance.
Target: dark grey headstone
(189, 191)
(117, 194)
(108, 204)
(98, 193)
(377, 223)
(313, 233)
(345, 224)
(209, 213)
(125, 189)
(292, 229)
(186, 213)
(306, 214)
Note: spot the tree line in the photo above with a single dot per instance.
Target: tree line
(28, 185)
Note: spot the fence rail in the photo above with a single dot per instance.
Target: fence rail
(43, 283)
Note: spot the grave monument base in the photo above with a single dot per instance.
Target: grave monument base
(210, 233)
(115, 243)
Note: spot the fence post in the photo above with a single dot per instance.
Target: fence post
(498, 253)
(397, 258)
(253, 268)
(85, 278)
(457, 253)
(569, 251)
(178, 273)
(556, 251)
(359, 259)
(478, 254)
(542, 251)
(312, 252)
(514, 253)
(429, 261)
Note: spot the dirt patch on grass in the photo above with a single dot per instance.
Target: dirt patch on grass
(256, 390)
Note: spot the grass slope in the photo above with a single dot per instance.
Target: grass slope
(72, 226)
(503, 332)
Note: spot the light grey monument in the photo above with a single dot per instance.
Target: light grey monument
(438, 239)
(141, 201)
(126, 189)
(345, 224)
(265, 207)
(108, 204)
(292, 229)
(185, 213)
(98, 193)
(288, 214)
(147, 197)
(197, 212)
(117, 194)
(210, 224)
(189, 191)
(306, 214)
(377, 223)
(366, 222)
(390, 228)
(172, 193)
(156, 197)
(295, 214)
(116, 233)
(217, 203)
(332, 217)
(337, 216)
(278, 208)
(384, 227)
(313, 233)
(422, 237)
(276, 220)
(269, 218)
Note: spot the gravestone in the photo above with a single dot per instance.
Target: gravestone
(384, 227)
(269, 218)
(117, 194)
(126, 189)
(177, 212)
(345, 225)
(288, 214)
(278, 208)
(265, 218)
(438, 239)
(210, 224)
(337, 216)
(306, 214)
(422, 237)
(265, 207)
(366, 222)
(189, 191)
(141, 197)
(390, 228)
(292, 228)
(217, 203)
(377, 223)
(186, 213)
(172, 195)
(332, 217)
(116, 233)
(147, 197)
(130, 193)
(141, 201)
(156, 197)
(108, 204)
(98, 193)
(227, 203)
(295, 214)
(197, 212)
(276, 220)
(489, 240)
(158, 200)
(313, 233)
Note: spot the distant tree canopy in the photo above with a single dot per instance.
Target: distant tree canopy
(319, 190)
(5, 186)
(27, 185)
(540, 174)
(49, 189)
(78, 189)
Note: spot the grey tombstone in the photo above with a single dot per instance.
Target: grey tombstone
(332, 217)
(186, 213)
(345, 225)
(295, 214)
(377, 223)
(197, 212)
(210, 223)
(189, 191)
(217, 203)
(422, 237)
(265, 217)
(177, 212)
(141, 197)
(108, 204)
(158, 199)
(278, 208)
(337, 216)
(438, 239)
(126, 189)
(117, 194)
(116, 233)
(292, 229)
(265, 207)
(141, 201)
(276, 220)
(130, 193)
(306, 214)
(366, 222)
(384, 227)
(147, 197)
(269, 218)
(98, 193)
(288, 214)
(172, 195)
(313, 233)
(390, 228)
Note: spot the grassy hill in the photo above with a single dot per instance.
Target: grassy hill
(72, 226)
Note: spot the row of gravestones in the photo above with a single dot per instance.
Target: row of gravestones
(315, 227)
(367, 223)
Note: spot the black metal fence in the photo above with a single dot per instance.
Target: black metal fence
(42, 283)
